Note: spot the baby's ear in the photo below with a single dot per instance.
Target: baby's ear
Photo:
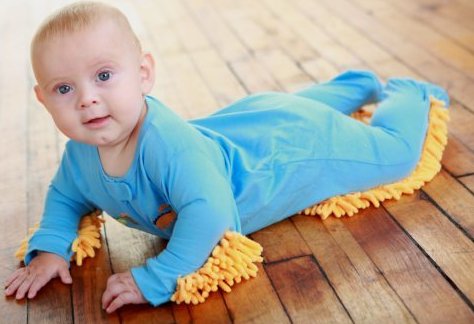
(39, 94)
(147, 72)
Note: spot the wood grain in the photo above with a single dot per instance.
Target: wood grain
(468, 182)
(454, 199)
(411, 274)
(450, 249)
(255, 301)
(281, 241)
(303, 289)
(360, 285)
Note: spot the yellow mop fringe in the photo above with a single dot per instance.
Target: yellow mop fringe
(88, 238)
(231, 260)
(428, 166)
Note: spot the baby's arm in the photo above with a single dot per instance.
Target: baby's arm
(49, 249)
(202, 197)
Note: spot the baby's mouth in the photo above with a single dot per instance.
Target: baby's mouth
(97, 122)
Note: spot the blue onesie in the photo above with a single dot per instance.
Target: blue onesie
(249, 165)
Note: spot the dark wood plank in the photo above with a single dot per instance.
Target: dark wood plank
(468, 182)
(213, 310)
(281, 241)
(411, 274)
(305, 292)
(441, 240)
(457, 158)
(454, 199)
(89, 282)
(255, 301)
(461, 121)
(360, 285)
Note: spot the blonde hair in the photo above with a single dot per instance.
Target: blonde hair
(78, 16)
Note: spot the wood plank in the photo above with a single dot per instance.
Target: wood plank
(89, 282)
(434, 18)
(281, 241)
(457, 158)
(360, 285)
(439, 46)
(410, 273)
(468, 182)
(253, 76)
(304, 291)
(181, 313)
(407, 51)
(13, 145)
(454, 199)
(444, 243)
(130, 248)
(216, 29)
(460, 124)
(461, 12)
(222, 83)
(317, 39)
(212, 311)
(255, 301)
(283, 69)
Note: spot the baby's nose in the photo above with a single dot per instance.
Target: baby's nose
(88, 103)
(88, 98)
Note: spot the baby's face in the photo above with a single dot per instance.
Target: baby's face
(93, 83)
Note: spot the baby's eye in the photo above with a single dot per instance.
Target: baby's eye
(104, 76)
(63, 89)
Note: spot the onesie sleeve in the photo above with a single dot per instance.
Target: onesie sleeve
(64, 207)
(203, 200)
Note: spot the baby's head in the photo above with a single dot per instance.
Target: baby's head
(91, 73)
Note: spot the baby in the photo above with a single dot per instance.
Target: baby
(255, 162)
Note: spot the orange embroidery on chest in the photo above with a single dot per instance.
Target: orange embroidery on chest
(165, 220)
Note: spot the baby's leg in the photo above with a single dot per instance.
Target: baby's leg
(404, 110)
(347, 92)
(387, 150)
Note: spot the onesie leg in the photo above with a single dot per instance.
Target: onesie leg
(347, 92)
(404, 111)
(360, 157)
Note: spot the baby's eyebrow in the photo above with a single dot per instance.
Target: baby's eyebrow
(103, 62)
(53, 81)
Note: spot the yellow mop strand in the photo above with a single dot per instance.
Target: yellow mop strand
(231, 260)
(428, 166)
(88, 238)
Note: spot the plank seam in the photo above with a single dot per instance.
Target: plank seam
(437, 267)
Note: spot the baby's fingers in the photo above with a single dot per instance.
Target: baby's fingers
(16, 282)
(13, 276)
(25, 285)
(37, 285)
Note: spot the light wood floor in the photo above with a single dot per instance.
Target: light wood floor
(410, 261)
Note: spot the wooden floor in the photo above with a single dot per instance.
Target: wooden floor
(410, 261)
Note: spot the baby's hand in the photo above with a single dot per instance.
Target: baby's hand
(121, 290)
(29, 280)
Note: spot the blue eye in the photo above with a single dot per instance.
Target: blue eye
(63, 89)
(104, 76)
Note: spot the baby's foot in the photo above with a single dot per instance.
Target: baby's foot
(395, 85)
(368, 82)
